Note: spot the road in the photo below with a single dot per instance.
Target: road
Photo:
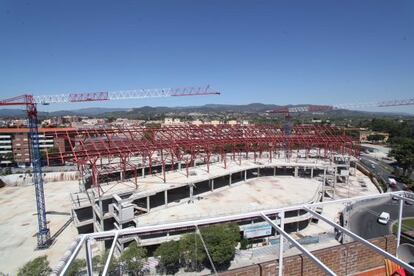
(363, 222)
(381, 170)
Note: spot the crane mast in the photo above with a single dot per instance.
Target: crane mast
(30, 102)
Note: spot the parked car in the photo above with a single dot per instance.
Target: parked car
(383, 218)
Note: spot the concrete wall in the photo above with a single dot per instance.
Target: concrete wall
(346, 259)
(26, 178)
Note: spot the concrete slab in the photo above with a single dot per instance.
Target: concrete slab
(254, 194)
(18, 224)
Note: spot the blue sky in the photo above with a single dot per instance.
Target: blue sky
(281, 52)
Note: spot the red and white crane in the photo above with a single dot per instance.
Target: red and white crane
(288, 111)
(325, 108)
(30, 102)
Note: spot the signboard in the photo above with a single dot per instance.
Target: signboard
(259, 230)
(344, 172)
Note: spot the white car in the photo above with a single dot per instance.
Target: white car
(383, 218)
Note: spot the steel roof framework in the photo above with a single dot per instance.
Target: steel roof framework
(85, 239)
(100, 151)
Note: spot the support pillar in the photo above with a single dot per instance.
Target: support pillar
(230, 179)
(212, 184)
(312, 172)
(274, 171)
(245, 175)
(88, 251)
(400, 212)
(148, 204)
(179, 166)
(334, 185)
(143, 172)
(282, 226)
(191, 192)
(166, 197)
(296, 171)
(323, 183)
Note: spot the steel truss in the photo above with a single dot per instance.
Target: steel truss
(99, 152)
(85, 239)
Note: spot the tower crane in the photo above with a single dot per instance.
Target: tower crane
(31, 102)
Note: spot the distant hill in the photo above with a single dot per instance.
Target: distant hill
(92, 111)
(209, 109)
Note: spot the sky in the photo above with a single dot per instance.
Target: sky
(280, 52)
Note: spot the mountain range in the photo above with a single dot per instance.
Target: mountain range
(204, 109)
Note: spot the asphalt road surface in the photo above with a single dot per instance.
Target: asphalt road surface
(364, 220)
(381, 170)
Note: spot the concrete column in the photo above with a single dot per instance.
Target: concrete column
(296, 171)
(334, 185)
(143, 172)
(212, 184)
(166, 198)
(179, 166)
(274, 171)
(312, 172)
(148, 204)
(230, 179)
(258, 172)
(191, 192)
(245, 175)
(323, 183)
(122, 175)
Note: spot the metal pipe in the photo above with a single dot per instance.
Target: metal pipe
(89, 265)
(110, 254)
(400, 212)
(206, 249)
(363, 241)
(282, 226)
(321, 265)
(73, 256)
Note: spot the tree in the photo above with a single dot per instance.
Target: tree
(99, 261)
(403, 152)
(133, 258)
(376, 137)
(37, 267)
(221, 241)
(169, 255)
(76, 266)
(192, 252)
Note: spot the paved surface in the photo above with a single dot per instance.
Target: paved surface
(18, 224)
(364, 222)
(255, 194)
(381, 170)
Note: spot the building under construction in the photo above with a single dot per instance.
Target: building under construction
(128, 172)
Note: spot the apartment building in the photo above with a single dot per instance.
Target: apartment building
(15, 144)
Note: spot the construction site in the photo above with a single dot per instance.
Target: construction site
(155, 184)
